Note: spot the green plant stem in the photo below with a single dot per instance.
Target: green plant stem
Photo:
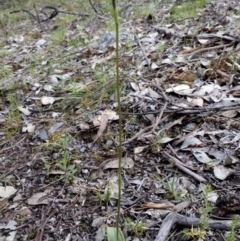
(120, 116)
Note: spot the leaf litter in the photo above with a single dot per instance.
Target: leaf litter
(59, 123)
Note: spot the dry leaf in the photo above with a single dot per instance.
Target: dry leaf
(127, 163)
(138, 149)
(195, 102)
(201, 156)
(7, 191)
(25, 111)
(47, 100)
(103, 126)
(191, 142)
(222, 172)
(38, 198)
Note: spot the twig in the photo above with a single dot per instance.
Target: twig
(144, 130)
(195, 110)
(180, 165)
(143, 51)
(95, 10)
(193, 51)
(174, 218)
(37, 17)
(159, 117)
(43, 224)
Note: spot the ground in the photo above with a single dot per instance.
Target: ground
(179, 66)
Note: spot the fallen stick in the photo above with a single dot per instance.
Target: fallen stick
(174, 218)
(180, 165)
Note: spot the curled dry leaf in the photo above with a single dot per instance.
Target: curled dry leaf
(127, 163)
(201, 156)
(222, 172)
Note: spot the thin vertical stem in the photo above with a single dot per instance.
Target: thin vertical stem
(120, 116)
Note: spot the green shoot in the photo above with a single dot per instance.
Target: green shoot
(232, 237)
(136, 228)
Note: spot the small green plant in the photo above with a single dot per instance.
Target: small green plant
(161, 46)
(5, 71)
(47, 166)
(142, 11)
(106, 196)
(194, 233)
(207, 207)
(171, 186)
(69, 170)
(5, 181)
(14, 118)
(58, 35)
(201, 232)
(136, 228)
(20, 219)
(187, 9)
(232, 234)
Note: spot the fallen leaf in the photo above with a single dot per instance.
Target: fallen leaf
(229, 113)
(222, 172)
(101, 233)
(7, 191)
(112, 115)
(38, 198)
(47, 100)
(201, 156)
(99, 221)
(127, 163)
(191, 142)
(24, 110)
(138, 149)
(10, 225)
(103, 126)
(195, 102)
(177, 88)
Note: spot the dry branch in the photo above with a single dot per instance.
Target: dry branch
(174, 218)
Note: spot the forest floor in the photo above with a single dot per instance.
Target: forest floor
(180, 74)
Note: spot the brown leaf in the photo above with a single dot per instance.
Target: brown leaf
(103, 125)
